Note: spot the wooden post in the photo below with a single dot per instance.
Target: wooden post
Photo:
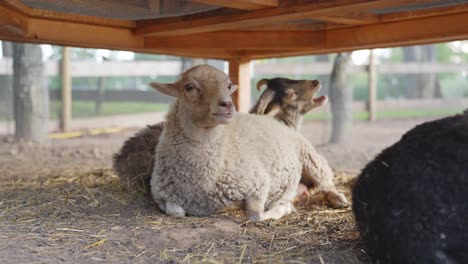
(66, 91)
(239, 71)
(372, 100)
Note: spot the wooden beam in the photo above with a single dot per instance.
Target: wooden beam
(372, 88)
(12, 22)
(214, 22)
(240, 4)
(361, 19)
(40, 30)
(66, 113)
(239, 72)
(239, 40)
(67, 17)
(393, 34)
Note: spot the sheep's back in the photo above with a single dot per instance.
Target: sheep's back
(410, 202)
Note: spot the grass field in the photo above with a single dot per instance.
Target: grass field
(394, 114)
(87, 109)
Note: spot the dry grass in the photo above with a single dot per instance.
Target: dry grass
(77, 216)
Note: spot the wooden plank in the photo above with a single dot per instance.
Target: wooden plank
(66, 113)
(393, 34)
(405, 15)
(239, 72)
(216, 22)
(240, 4)
(361, 19)
(79, 35)
(239, 40)
(68, 17)
(372, 88)
(12, 23)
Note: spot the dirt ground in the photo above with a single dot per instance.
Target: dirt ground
(62, 203)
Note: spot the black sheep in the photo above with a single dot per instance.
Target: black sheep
(411, 201)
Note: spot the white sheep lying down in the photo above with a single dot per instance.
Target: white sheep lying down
(210, 158)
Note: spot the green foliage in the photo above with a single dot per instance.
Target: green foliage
(87, 108)
(395, 114)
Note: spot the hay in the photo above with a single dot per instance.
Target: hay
(97, 218)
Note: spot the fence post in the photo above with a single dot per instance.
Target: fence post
(239, 71)
(65, 117)
(372, 81)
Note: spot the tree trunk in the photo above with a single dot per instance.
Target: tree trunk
(6, 83)
(31, 96)
(423, 85)
(340, 99)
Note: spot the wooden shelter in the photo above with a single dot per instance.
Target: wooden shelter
(234, 30)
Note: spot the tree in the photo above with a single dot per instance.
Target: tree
(340, 98)
(421, 85)
(30, 93)
(6, 81)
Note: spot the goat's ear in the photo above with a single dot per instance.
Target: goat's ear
(166, 88)
(261, 83)
(291, 94)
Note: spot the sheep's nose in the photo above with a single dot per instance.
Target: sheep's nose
(315, 82)
(226, 104)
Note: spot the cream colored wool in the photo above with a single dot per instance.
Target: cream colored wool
(252, 160)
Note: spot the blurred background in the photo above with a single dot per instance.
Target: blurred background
(110, 88)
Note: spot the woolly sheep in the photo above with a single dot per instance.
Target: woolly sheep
(410, 202)
(210, 158)
(284, 99)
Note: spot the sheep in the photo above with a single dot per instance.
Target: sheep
(284, 99)
(210, 158)
(410, 202)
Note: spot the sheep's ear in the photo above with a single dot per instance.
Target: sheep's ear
(166, 88)
(261, 83)
(233, 88)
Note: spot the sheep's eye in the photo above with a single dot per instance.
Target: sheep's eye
(230, 86)
(188, 87)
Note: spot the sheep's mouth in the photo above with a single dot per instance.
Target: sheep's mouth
(225, 115)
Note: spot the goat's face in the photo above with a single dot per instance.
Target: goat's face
(204, 93)
(295, 94)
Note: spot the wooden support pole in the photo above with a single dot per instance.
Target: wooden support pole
(372, 80)
(239, 71)
(66, 91)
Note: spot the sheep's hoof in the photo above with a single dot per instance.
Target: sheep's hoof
(256, 217)
(336, 199)
(174, 210)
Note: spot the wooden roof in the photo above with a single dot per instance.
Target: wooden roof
(230, 29)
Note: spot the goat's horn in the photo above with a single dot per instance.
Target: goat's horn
(266, 98)
(261, 82)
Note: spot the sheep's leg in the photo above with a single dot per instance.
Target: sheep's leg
(174, 209)
(279, 209)
(318, 175)
(255, 208)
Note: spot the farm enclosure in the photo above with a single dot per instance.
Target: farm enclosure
(63, 203)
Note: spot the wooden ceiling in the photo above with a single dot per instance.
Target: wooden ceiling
(230, 29)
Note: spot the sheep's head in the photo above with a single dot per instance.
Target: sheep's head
(283, 92)
(204, 93)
